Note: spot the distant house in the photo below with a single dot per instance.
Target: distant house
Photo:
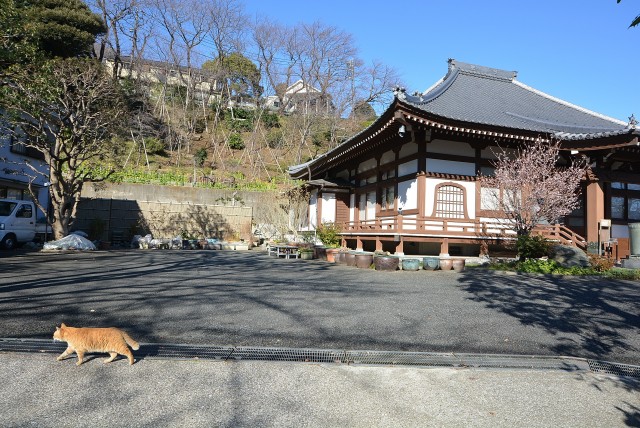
(409, 182)
(206, 86)
(301, 98)
(15, 174)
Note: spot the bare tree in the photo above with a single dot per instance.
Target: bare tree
(68, 110)
(533, 187)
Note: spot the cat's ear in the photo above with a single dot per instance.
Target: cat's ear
(62, 325)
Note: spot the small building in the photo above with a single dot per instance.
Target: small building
(19, 166)
(409, 182)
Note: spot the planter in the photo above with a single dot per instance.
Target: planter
(388, 263)
(430, 263)
(458, 265)
(446, 264)
(350, 259)
(306, 255)
(410, 264)
(331, 254)
(340, 257)
(364, 260)
(321, 253)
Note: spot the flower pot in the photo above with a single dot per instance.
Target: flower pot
(321, 253)
(430, 263)
(446, 264)
(331, 254)
(410, 264)
(458, 265)
(388, 263)
(364, 260)
(341, 258)
(350, 259)
(306, 255)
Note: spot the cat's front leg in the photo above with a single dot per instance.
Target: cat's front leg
(66, 353)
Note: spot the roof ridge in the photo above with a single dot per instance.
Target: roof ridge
(568, 104)
(482, 71)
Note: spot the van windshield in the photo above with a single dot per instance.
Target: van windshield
(7, 207)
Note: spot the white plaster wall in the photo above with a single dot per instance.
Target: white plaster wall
(387, 157)
(313, 209)
(408, 149)
(408, 194)
(352, 207)
(451, 167)
(470, 195)
(450, 148)
(367, 165)
(406, 168)
(328, 208)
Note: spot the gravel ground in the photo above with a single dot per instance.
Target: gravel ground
(251, 299)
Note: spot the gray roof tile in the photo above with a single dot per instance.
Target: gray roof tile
(489, 96)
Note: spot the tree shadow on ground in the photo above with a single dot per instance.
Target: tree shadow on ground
(589, 316)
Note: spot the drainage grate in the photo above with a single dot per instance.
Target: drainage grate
(363, 357)
(614, 368)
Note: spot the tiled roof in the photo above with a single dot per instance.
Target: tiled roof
(488, 96)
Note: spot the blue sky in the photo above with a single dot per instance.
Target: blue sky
(581, 51)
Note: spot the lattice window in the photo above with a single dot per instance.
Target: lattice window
(450, 202)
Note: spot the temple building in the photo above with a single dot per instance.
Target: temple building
(408, 184)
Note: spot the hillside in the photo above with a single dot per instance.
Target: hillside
(237, 148)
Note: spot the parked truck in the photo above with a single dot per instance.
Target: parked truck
(18, 223)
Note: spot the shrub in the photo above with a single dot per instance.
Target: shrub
(532, 247)
(599, 263)
(235, 141)
(329, 234)
(200, 156)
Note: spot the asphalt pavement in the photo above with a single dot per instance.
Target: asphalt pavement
(251, 299)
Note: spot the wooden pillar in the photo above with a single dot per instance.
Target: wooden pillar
(444, 247)
(594, 210)
(422, 193)
(378, 244)
(399, 246)
(358, 244)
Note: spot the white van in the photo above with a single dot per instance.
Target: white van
(17, 222)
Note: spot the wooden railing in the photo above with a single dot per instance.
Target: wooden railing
(558, 232)
(459, 228)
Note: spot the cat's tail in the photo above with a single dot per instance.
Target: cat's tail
(134, 345)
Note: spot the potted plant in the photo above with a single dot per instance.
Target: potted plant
(306, 253)
(329, 235)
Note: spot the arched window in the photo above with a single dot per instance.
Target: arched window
(449, 201)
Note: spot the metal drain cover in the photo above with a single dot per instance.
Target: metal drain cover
(361, 357)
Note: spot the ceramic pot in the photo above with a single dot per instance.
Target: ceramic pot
(386, 263)
(350, 259)
(446, 264)
(321, 253)
(364, 260)
(340, 258)
(330, 253)
(410, 264)
(458, 265)
(430, 263)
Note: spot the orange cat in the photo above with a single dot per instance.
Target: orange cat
(81, 340)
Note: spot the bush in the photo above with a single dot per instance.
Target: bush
(200, 156)
(532, 247)
(599, 263)
(235, 141)
(329, 234)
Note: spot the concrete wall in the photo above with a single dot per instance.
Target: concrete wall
(115, 212)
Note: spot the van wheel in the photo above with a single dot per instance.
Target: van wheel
(9, 242)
